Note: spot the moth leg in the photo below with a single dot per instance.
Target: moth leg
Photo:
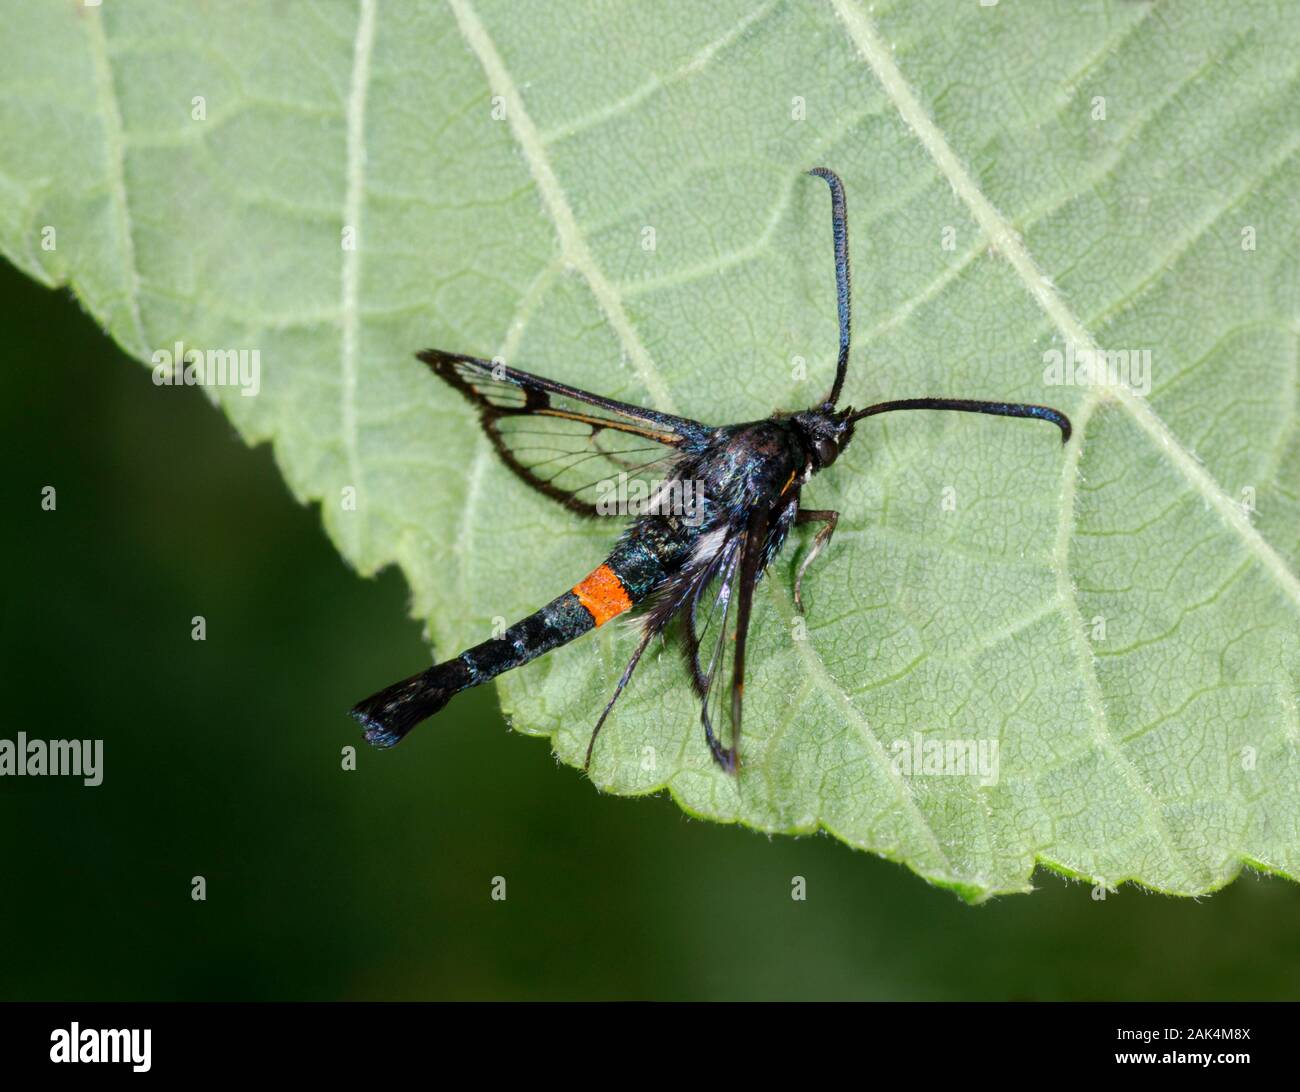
(826, 516)
(751, 560)
(701, 680)
(622, 682)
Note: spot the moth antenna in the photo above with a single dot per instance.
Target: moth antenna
(843, 277)
(967, 405)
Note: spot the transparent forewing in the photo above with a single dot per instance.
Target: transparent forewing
(591, 454)
(591, 465)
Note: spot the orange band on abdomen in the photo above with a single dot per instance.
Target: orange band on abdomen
(603, 594)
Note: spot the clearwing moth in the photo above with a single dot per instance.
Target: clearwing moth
(746, 480)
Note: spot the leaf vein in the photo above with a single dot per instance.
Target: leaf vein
(1009, 244)
(573, 243)
(114, 143)
(350, 278)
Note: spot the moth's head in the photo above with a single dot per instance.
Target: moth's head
(826, 431)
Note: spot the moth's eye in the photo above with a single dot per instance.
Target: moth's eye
(826, 450)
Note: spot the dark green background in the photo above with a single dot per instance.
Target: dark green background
(222, 759)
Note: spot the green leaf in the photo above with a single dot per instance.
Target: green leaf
(1119, 616)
